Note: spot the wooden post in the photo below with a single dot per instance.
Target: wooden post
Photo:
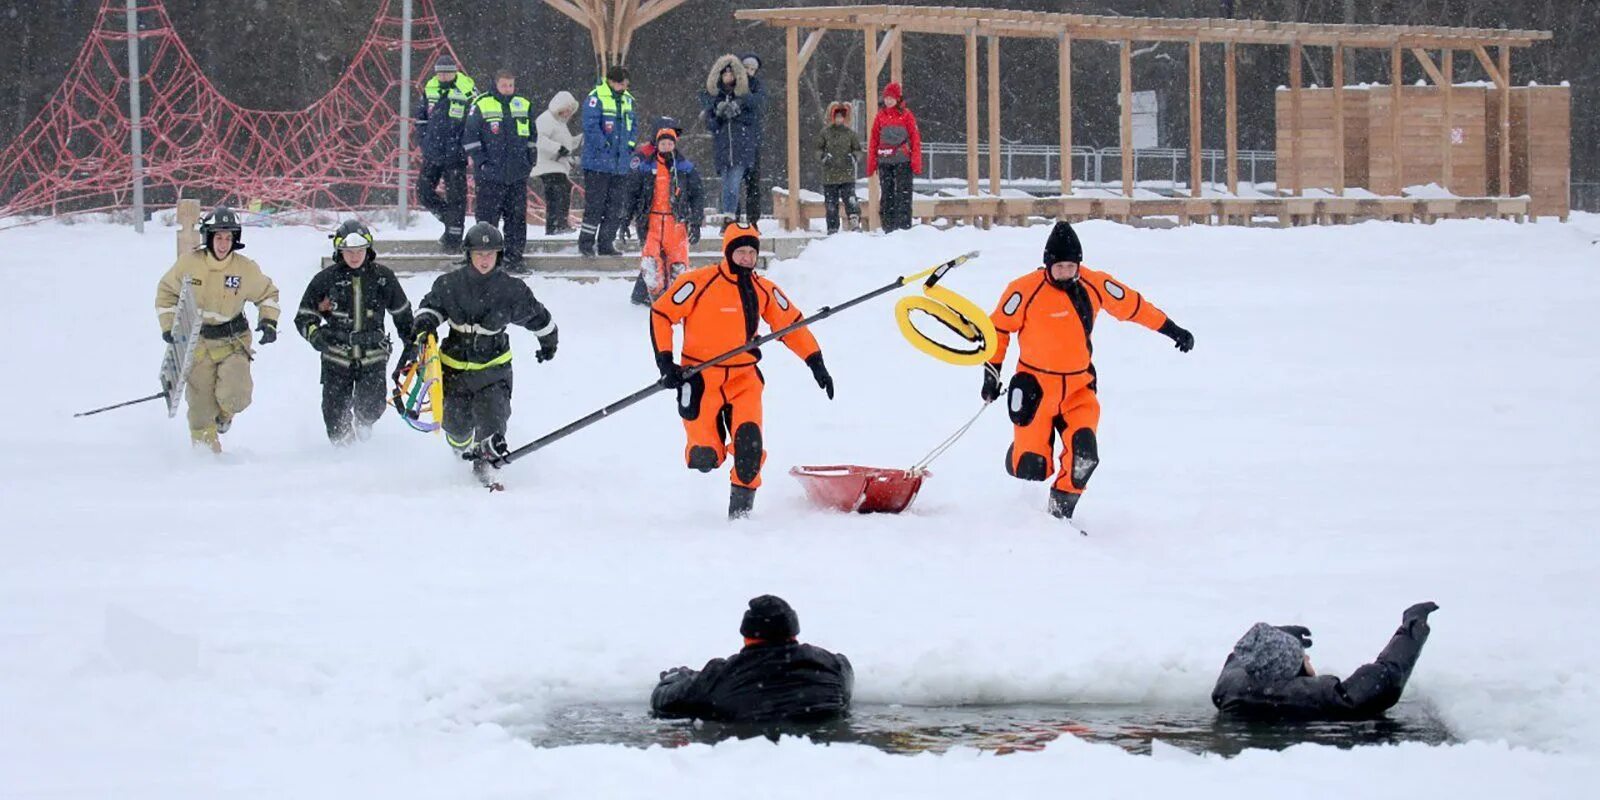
(791, 83)
(188, 225)
(1447, 70)
(993, 45)
(1127, 117)
(1338, 119)
(1194, 120)
(870, 49)
(1064, 66)
(1396, 112)
(1505, 121)
(1231, 79)
(1296, 63)
(972, 113)
(897, 60)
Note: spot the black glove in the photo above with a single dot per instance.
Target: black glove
(991, 383)
(408, 356)
(675, 674)
(671, 371)
(734, 108)
(269, 331)
(820, 372)
(1300, 632)
(1181, 338)
(547, 349)
(694, 233)
(1415, 618)
(166, 336)
(563, 153)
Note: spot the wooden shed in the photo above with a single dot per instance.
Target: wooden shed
(1541, 148)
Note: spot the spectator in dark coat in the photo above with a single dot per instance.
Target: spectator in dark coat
(732, 115)
(773, 679)
(837, 148)
(752, 176)
(1269, 675)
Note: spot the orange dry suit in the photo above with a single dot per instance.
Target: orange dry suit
(720, 308)
(667, 206)
(1053, 391)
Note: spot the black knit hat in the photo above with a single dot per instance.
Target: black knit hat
(1063, 245)
(736, 235)
(770, 619)
(617, 72)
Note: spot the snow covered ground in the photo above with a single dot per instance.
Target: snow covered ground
(1373, 415)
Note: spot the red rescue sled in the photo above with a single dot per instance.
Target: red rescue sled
(865, 490)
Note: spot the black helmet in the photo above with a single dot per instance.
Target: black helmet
(483, 236)
(352, 233)
(222, 218)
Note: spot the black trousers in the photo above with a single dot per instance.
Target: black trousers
(894, 181)
(836, 194)
(352, 398)
(505, 205)
(452, 208)
(605, 198)
(557, 202)
(477, 405)
(752, 193)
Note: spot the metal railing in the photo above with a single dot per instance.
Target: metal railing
(1100, 168)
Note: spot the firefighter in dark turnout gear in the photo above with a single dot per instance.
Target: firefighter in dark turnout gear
(341, 315)
(500, 138)
(441, 116)
(773, 678)
(1269, 676)
(1052, 311)
(479, 301)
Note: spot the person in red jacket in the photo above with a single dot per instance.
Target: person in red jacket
(1052, 312)
(894, 154)
(719, 308)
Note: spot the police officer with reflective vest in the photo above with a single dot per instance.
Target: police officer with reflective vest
(341, 315)
(440, 118)
(479, 302)
(609, 132)
(500, 138)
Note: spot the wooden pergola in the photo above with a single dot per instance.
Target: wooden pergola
(612, 23)
(884, 29)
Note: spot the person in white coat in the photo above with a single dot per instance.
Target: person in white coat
(556, 149)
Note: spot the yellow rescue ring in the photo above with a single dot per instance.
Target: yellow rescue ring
(962, 317)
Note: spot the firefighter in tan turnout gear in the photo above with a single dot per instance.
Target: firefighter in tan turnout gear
(222, 281)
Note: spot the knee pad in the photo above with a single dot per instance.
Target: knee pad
(654, 281)
(1023, 398)
(689, 396)
(1085, 456)
(702, 458)
(1028, 467)
(747, 452)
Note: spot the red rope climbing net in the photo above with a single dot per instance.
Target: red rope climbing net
(338, 154)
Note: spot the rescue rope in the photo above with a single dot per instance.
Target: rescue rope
(419, 390)
(960, 316)
(922, 466)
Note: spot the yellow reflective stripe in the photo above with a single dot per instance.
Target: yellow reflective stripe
(473, 366)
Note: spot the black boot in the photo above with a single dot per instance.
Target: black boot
(740, 501)
(1062, 503)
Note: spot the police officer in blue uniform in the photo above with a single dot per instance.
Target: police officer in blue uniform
(500, 138)
(610, 130)
(440, 118)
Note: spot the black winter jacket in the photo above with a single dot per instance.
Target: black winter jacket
(1263, 678)
(478, 309)
(764, 682)
(688, 204)
(341, 312)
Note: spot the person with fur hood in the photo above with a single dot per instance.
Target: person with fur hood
(894, 155)
(553, 166)
(732, 114)
(838, 149)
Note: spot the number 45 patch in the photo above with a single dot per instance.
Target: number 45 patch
(232, 282)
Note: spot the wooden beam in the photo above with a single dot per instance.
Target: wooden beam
(1232, 88)
(1397, 80)
(880, 55)
(1505, 121)
(650, 10)
(1064, 70)
(572, 10)
(1296, 64)
(791, 85)
(1447, 87)
(1488, 66)
(1428, 66)
(1195, 101)
(897, 59)
(972, 113)
(809, 49)
(1338, 120)
(993, 45)
(869, 42)
(1127, 117)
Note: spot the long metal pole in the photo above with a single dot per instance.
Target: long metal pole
(404, 179)
(135, 116)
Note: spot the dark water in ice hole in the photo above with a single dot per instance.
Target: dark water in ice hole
(997, 728)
